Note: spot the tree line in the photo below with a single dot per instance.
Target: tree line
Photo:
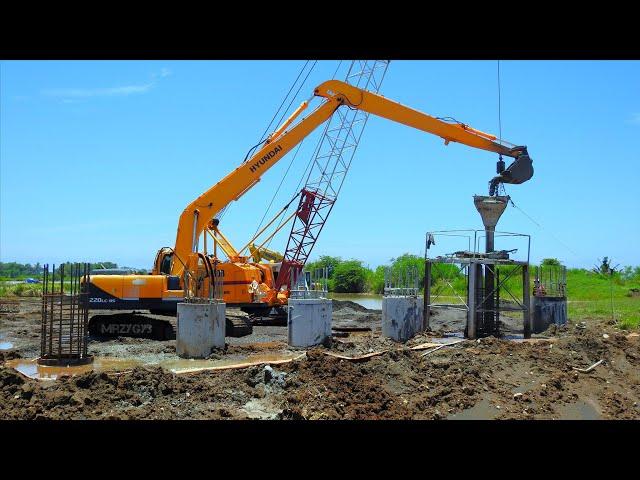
(352, 276)
(19, 271)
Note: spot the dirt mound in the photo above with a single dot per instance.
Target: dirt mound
(142, 393)
(340, 305)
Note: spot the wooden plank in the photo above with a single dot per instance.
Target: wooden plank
(236, 366)
(358, 358)
(424, 346)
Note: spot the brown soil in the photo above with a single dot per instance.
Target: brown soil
(490, 378)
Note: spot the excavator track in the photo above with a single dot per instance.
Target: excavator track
(155, 327)
(131, 325)
(238, 326)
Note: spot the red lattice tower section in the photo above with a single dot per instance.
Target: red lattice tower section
(329, 167)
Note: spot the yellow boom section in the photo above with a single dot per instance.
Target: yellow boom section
(383, 107)
(197, 215)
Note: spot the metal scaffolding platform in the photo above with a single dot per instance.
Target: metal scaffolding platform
(481, 284)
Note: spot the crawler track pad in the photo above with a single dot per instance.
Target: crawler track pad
(131, 325)
(238, 326)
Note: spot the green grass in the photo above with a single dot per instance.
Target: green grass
(590, 297)
(626, 311)
(20, 290)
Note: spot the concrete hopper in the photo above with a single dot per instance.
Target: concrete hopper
(490, 209)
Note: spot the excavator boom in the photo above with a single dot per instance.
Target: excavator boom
(336, 93)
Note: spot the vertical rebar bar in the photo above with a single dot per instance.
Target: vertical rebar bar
(71, 307)
(526, 296)
(42, 309)
(52, 285)
(61, 307)
(497, 306)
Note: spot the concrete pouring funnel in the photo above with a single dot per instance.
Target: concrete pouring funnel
(490, 209)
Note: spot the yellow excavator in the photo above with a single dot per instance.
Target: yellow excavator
(247, 282)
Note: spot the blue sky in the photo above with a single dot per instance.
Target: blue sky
(98, 158)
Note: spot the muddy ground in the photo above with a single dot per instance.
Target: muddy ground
(485, 379)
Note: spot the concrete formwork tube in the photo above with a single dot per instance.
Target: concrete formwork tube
(200, 329)
(548, 311)
(402, 317)
(309, 321)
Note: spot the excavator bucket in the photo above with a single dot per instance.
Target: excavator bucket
(518, 172)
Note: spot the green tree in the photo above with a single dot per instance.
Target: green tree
(375, 280)
(349, 277)
(325, 261)
(550, 262)
(406, 261)
(605, 267)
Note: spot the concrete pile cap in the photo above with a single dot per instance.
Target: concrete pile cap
(490, 208)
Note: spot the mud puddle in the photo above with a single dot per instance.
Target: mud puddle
(4, 344)
(582, 410)
(30, 368)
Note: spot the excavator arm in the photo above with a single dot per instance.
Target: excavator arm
(195, 218)
(519, 171)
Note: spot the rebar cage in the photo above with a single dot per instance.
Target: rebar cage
(550, 281)
(311, 284)
(204, 283)
(402, 281)
(64, 334)
(483, 285)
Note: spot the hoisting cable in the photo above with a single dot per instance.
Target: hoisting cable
(326, 127)
(297, 93)
(264, 134)
(500, 167)
(499, 107)
(297, 149)
(543, 229)
(312, 158)
(266, 130)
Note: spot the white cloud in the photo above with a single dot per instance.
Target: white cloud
(164, 72)
(98, 92)
(72, 95)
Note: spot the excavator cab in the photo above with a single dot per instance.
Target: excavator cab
(165, 266)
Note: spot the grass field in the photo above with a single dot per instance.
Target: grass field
(20, 290)
(592, 296)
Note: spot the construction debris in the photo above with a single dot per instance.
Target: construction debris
(587, 370)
